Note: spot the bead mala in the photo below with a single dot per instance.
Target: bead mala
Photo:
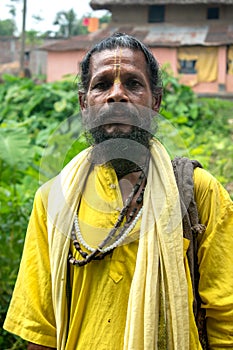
(106, 247)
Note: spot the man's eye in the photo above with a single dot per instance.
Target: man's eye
(102, 85)
(133, 84)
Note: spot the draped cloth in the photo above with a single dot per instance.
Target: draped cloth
(159, 268)
(159, 288)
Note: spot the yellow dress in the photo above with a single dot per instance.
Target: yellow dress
(100, 290)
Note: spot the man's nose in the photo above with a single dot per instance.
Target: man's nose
(117, 93)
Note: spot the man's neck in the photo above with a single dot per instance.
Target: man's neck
(124, 167)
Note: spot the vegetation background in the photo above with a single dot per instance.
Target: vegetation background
(40, 131)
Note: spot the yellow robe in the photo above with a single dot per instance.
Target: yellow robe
(100, 290)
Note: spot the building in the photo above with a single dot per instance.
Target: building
(35, 59)
(195, 38)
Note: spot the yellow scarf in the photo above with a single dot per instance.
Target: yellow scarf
(159, 264)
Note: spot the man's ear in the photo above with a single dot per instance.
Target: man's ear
(82, 100)
(157, 102)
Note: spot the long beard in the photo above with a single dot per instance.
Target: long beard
(125, 151)
(99, 135)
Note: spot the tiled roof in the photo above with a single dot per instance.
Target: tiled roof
(154, 35)
(105, 4)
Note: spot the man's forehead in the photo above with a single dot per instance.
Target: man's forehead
(117, 57)
(117, 54)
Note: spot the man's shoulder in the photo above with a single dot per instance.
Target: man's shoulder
(204, 180)
(42, 193)
(192, 178)
(190, 172)
(62, 181)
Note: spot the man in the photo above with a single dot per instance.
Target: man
(114, 212)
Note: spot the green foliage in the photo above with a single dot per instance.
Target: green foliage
(7, 27)
(106, 18)
(69, 25)
(40, 131)
(30, 116)
(66, 21)
(17, 183)
(33, 38)
(205, 125)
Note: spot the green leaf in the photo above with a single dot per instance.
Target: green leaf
(15, 146)
(60, 105)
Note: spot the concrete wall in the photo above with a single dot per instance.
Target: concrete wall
(226, 13)
(196, 13)
(185, 13)
(166, 56)
(129, 14)
(10, 53)
(63, 63)
(229, 83)
(38, 62)
(173, 13)
(9, 49)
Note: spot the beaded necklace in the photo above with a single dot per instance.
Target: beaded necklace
(107, 246)
(118, 239)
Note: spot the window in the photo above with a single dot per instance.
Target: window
(187, 66)
(230, 60)
(213, 13)
(156, 13)
(199, 60)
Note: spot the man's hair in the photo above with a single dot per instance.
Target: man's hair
(124, 41)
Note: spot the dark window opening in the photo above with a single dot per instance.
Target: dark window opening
(213, 13)
(156, 13)
(187, 66)
(230, 66)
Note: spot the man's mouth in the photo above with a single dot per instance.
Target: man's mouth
(117, 127)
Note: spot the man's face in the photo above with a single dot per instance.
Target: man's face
(119, 85)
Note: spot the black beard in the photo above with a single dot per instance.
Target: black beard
(99, 135)
(126, 152)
